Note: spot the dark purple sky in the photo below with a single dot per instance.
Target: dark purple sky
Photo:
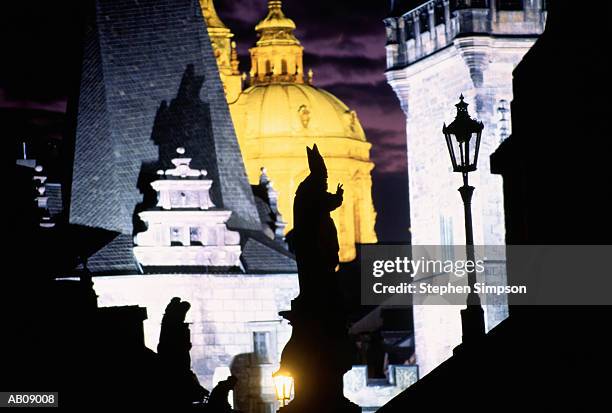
(344, 45)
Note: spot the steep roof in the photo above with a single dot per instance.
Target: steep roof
(149, 83)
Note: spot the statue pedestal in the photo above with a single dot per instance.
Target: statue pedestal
(317, 355)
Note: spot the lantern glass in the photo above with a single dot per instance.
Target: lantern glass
(283, 384)
(463, 139)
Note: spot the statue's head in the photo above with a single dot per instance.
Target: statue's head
(316, 164)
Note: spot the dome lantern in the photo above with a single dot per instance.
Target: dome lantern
(277, 55)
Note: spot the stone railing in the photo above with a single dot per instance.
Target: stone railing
(434, 25)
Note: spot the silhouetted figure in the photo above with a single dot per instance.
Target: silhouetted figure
(314, 237)
(218, 400)
(183, 386)
(319, 351)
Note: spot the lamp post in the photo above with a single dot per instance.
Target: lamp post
(463, 139)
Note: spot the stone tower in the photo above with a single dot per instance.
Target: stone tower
(437, 50)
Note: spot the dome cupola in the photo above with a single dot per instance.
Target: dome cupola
(277, 55)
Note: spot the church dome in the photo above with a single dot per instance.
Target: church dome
(282, 112)
(293, 110)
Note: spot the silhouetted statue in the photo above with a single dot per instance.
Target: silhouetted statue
(173, 349)
(218, 400)
(314, 238)
(319, 351)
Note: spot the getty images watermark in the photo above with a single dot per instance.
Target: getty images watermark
(426, 267)
(518, 275)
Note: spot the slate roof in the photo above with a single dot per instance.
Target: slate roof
(116, 257)
(149, 84)
(261, 254)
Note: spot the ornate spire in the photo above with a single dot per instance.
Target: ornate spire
(234, 59)
(224, 50)
(277, 55)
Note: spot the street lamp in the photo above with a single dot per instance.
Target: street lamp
(463, 139)
(283, 382)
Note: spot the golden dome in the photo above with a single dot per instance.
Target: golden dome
(293, 110)
(281, 113)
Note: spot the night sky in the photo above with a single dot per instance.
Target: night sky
(344, 45)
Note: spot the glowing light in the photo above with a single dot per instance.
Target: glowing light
(283, 383)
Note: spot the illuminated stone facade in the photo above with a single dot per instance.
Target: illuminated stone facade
(185, 228)
(436, 52)
(234, 323)
(281, 112)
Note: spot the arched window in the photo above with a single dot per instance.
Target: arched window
(284, 70)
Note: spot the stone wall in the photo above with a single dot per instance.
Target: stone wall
(226, 311)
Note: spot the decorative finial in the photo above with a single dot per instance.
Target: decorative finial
(310, 75)
(462, 106)
(180, 150)
(38, 168)
(234, 59)
(275, 4)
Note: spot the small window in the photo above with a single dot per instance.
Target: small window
(261, 346)
(446, 237)
(439, 13)
(503, 110)
(408, 29)
(424, 21)
(195, 236)
(176, 236)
